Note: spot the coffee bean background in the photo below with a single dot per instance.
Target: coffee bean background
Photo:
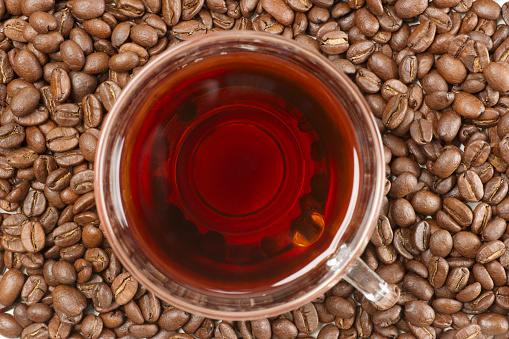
(436, 76)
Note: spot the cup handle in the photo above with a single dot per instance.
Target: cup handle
(374, 288)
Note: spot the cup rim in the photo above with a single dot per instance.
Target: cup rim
(360, 239)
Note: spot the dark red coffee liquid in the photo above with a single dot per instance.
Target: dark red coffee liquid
(235, 176)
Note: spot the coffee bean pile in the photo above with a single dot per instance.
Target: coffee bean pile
(435, 75)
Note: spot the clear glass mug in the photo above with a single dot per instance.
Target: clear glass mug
(341, 261)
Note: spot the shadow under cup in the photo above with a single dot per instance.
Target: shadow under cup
(281, 233)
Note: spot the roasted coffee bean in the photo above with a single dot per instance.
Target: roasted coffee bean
(389, 20)
(495, 76)
(35, 140)
(10, 242)
(426, 202)
(25, 101)
(33, 290)
(67, 115)
(64, 272)
(6, 70)
(84, 203)
(82, 84)
(87, 9)
(97, 28)
(60, 84)
(283, 328)
(11, 135)
(102, 296)
(470, 186)
(20, 315)
(172, 319)
(387, 317)
(482, 275)
(32, 236)
(490, 251)
(49, 42)
(470, 292)
(395, 111)
(476, 152)
(305, 318)
(57, 328)
(9, 328)
(492, 323)
(92, 110)
(27, 66)
(108, 92)
(42, 22)
(96, 63)
(392, 273)
(144, 330)
(279, 10)
(67, 234)
(422, 37)
(334, 42)
(457, 279)
(447, 305)
(497, 272)
(486, 9)
(13, 223)
(124, 288)
(36, 330)
(383, 233)
(339, 307)
(453, 70)
(34, 204)
(439, 100)
(402, 212)
(403, 185)
(58, 179)
(368, 81)
(112, 319)
(438, 269)
(23, 157)
(467, 105)
(98, 258)
(501, 296)
(82, 182)
(466, 244)
(421, 235)
(481, 303)
(68, 300)
(441, 243)
(447, 163)
(113, 270)
(5, 189)
(10, 286)
(421, 131)
(482, 214)
(124, 62)
(92, 326)
(360, 51)
(92, 236)
(120, 33)
(13, 29)
(494, 229)
(225, 330)
(418, 313)
(83, 269)
(151, 309)
(418, 286)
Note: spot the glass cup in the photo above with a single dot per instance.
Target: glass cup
(341, 261)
